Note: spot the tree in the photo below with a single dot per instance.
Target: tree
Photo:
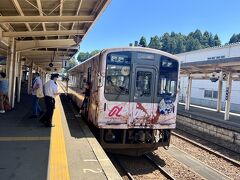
(205, 39)
(71, 63)
(192, 44)
(143, 42)
(235, 38)
(172, 44)
(155, 42)
(135, 43)
(198, 35)
(130, 44)
(217, 41)
(94, 52)
(165, 42)
(82, 56)
(211, 41)
(181, 47)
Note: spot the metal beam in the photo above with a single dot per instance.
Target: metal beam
(19, 9)
(37, 53)
(39, 5)
(77, 12)
(46, 19)
(42, 33)
(60, 14)
(27, 45)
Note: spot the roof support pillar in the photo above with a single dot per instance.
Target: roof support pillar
(10, 69)
(188, 93)
(30, 76)
(19, 79)
(219, 101)
(228, 97)
(14, 77)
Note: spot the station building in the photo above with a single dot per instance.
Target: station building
(204, 92)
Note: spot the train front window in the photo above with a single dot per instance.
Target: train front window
(168, 77)
(117, 79)
(143, 83)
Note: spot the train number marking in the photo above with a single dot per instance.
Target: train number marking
(115, 111)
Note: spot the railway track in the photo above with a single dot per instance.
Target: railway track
(234, 162)
(130, 172)
(165, 173)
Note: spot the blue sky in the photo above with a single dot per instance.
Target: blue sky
(125, 21)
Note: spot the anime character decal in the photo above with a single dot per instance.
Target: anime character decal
(142, 113)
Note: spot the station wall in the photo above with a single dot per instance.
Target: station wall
(200, 88)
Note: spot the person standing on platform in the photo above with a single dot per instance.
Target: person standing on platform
(36, 85)
(4, 103)
(50, 91)
(85, 102)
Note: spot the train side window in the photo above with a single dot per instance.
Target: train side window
(168, 77)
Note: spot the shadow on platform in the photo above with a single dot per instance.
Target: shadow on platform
(24, 143)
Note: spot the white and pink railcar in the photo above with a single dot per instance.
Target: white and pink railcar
(134, 94)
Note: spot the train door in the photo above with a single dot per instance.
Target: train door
(143, 87)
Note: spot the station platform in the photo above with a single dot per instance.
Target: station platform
(67, 151)
(210, 116)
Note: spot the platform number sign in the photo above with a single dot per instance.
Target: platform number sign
(65, 63)
(227, 92)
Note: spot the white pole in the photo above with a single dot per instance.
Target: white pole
(219, 102)
(19, 79)
(14, 75)
(30, 78)
(188, 93)
(10, 60)
(228, 97)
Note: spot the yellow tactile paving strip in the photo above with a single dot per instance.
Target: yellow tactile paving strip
(58, 164)
(24, 138)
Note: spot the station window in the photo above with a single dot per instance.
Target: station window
(211, 94)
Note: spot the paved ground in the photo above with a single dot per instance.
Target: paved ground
(208, 114)
(24, 144)
(66, 151)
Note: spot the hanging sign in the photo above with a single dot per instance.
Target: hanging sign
(65, 63)
(227, 93)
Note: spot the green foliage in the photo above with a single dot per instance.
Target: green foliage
(82, 56)
(217, 41)
(143, 42)
(235, 38)
(71, 63)
(178, 43)
(136, 43)
(155, 42)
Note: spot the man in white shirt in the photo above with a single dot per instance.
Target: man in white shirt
(50, 91)
(36, 84)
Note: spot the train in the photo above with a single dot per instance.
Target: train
(133, 97)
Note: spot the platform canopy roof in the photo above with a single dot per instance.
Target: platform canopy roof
(204, 69)
(47, 30)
